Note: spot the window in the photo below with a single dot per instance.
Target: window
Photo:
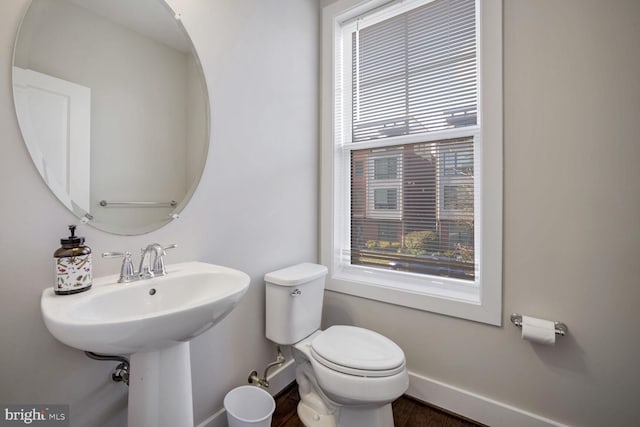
(385, 198)
(411, 176)
(458, 163)
(385, 168)
(358, 169)
(382, 185)
(458, 198)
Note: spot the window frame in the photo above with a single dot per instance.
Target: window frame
(480, 300)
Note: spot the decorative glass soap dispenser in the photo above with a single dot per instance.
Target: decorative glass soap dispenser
(73, 265)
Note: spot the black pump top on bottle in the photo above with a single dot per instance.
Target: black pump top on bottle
(73, 240)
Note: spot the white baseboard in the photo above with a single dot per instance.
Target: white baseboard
(282, 377)
(454, 399)
(218, 419)
(473, 406)
(278, 380)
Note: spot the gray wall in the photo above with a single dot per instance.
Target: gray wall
(571, 231)
(255, 209)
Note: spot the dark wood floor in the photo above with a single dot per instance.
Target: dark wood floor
(407, 412)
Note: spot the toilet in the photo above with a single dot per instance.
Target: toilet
(347, 376)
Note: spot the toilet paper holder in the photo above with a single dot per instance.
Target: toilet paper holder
(561, 328)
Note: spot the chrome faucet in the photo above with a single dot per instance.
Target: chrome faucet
(146, 270)
(155, 267)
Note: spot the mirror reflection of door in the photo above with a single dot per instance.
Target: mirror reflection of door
(55, 118)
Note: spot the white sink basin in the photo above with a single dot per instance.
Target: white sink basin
(147, 315)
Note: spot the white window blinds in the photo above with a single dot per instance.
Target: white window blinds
(412, 196)
(415, 72)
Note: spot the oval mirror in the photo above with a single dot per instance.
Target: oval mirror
(113, 108)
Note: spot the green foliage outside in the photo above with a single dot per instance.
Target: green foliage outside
(421, 243)
(382, 244)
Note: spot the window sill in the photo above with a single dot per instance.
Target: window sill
(449, 297)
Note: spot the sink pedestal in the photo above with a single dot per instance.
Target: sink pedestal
(160, 388)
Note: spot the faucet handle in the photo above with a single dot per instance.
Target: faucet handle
(158, 262)
(127, 272)
(112, 254)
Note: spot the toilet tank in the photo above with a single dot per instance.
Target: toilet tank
(294, 298)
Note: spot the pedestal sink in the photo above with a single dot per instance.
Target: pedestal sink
(153, 321)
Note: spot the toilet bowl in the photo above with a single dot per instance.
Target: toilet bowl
(347, 376)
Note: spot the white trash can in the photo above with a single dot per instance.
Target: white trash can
(249, 406)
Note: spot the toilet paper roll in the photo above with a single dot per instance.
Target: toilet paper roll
(538, 330)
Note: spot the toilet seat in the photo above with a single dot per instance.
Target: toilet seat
(356, 351)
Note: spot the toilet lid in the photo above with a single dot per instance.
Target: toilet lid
(357, 351)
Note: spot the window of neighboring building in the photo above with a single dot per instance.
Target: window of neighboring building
(458, 198)
(358, 169)
(385, 198)
(411, 170)
(458, 163)
(385, 168)
(382, 184)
